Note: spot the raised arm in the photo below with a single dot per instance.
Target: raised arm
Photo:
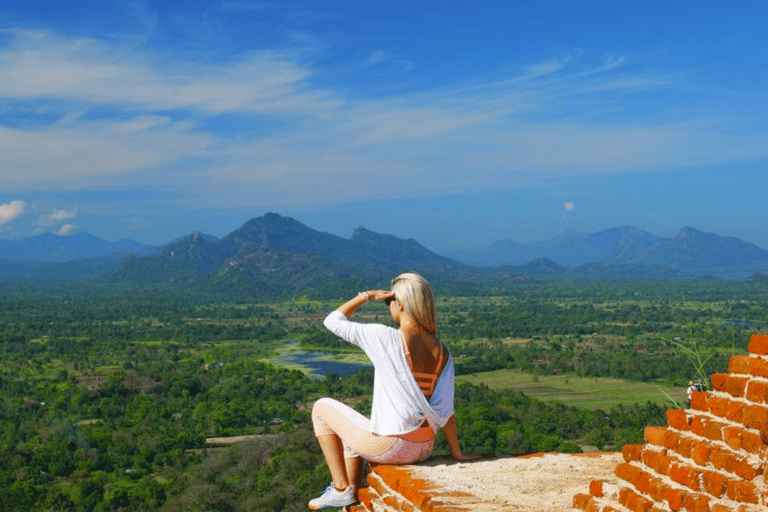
(361, 298)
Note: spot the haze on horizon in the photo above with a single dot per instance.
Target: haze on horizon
(454, 124)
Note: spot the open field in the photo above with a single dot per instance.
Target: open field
(587, 392)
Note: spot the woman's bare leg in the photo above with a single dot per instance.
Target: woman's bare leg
(355, 466)
(333, 450)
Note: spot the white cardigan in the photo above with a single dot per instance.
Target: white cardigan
(399, 406)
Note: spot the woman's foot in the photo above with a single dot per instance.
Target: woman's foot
(334, 498)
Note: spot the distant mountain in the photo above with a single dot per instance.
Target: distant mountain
(53, 248)
(689, 251)
(278, 255)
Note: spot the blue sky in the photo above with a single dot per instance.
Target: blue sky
(454, 123)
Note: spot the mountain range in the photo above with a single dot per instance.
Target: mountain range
(689, 251)
(276, 255)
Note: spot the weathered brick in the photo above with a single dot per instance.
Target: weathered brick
(643, 482)
(699, 400)
(708, 428)
(758, 344)
(657, 489)
(634, 501)
(696, 503)
(759, 367)
(631, 452)
(700, 453)
(580, 501)
(734, 411)
(751, 442)
(685, 447)
(674, 498)
(596, 488)
(747, 471)
(757, 391)
(654, 435)
(714, 483)
(719, 507)
(733, 437)
(678, 419)
(739, 364)
(741, 491)
(735, 385)
(723, 459)
(718, 381)
(627, 472)
(685, 475)
(755, 416)
(658, 461)
(718, 405)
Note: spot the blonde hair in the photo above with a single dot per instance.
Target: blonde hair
(414, 293)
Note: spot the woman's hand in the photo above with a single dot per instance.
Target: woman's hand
(379, 295)
(361, 298)
(461, 457)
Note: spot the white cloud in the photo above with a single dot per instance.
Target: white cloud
(55, 217)
(67, 229)
(11, 210)
(130, 117)
(568, 206)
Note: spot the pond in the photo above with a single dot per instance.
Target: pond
(314, 362)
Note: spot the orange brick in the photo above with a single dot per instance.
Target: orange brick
(657, 489)
(733, 437)
(654, 435)
(735, 385)
(593, 506)
(759, 367)
(718, 381)
(714, 483)
(739, 364)
(696, 503)
(718, 507)
(718, 405)
(685, 475)
(758, 344)
(685, 448)
(714, 430)
(581, 501)
(734, 411)
(678, 419)
(741, 491)
(596, 488)
(757, 391)
(643, 482)
(674, 498)
(724, 460)
(747, 471)
(634, 501)
(700, 453)
(751, 442)
(659, 461)
(631, 452)
(755, 416)
(699, 400)
(627, 472)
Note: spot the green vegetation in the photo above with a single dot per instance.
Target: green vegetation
(107, 396)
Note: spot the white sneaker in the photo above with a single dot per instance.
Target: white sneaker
(333, 498)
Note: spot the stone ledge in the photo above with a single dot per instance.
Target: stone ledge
(532, 483)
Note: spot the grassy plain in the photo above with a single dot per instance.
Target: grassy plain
(586, 392)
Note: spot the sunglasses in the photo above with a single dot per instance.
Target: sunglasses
(389, 300)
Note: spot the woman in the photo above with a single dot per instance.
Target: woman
(412, 391)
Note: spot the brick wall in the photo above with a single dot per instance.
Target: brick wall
(710, 458)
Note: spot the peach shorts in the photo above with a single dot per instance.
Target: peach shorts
(330, 416)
